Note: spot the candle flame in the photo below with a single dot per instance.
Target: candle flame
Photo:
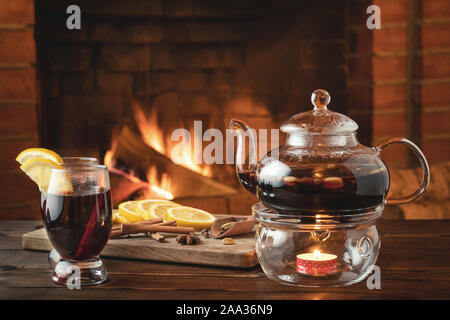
(316, 254)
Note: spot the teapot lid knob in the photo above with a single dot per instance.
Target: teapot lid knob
(320, 99)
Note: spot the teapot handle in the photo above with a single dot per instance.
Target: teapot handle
(423, 163)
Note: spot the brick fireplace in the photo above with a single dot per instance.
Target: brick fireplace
(72, 90)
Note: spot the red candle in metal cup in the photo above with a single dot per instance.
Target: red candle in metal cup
(316, 263)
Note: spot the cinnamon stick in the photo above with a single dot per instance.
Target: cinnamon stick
(157, 236)
(137, 228)
(117, 230)
(149, 227)
(167, 223)
(157, 221)
(117, 233)
(152, 221)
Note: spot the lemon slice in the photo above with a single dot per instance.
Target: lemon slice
(190, 217)
(38, 153)
(143, 207)
(118, 219)
(128, 211)
(159, 210)
(40, 171)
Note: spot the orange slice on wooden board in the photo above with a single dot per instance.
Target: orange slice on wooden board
(118, 219)
(190, 217)
(143, 207)
(128, 211)
(159, 210)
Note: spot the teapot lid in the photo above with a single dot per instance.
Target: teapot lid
(319, 120)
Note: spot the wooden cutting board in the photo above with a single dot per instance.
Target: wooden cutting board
(208, 252)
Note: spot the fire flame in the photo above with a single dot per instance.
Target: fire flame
(148, 126)
(153, 136)
(163, 188)
(316, 254)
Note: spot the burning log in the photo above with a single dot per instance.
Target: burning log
(124, 185)
(127, 187)
(132, 151)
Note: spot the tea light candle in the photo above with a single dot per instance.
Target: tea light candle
(316, 263)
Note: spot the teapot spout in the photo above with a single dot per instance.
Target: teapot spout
(246, 158)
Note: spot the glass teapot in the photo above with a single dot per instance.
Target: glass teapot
(322, 167)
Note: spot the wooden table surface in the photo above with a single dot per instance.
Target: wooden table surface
(414, 262)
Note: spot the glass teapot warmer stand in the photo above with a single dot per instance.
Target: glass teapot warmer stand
(319, 250)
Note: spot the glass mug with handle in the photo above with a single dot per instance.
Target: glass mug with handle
(77, 215)
(53, 256)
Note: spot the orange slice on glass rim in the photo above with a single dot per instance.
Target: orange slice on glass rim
(38, 153)
(40, 171)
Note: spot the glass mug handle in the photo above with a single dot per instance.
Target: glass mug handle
(423, 163)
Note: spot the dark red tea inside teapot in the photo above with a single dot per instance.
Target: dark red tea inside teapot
(330, 188)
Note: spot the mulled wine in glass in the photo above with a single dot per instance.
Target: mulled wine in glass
(53, 256)
(77, 214)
